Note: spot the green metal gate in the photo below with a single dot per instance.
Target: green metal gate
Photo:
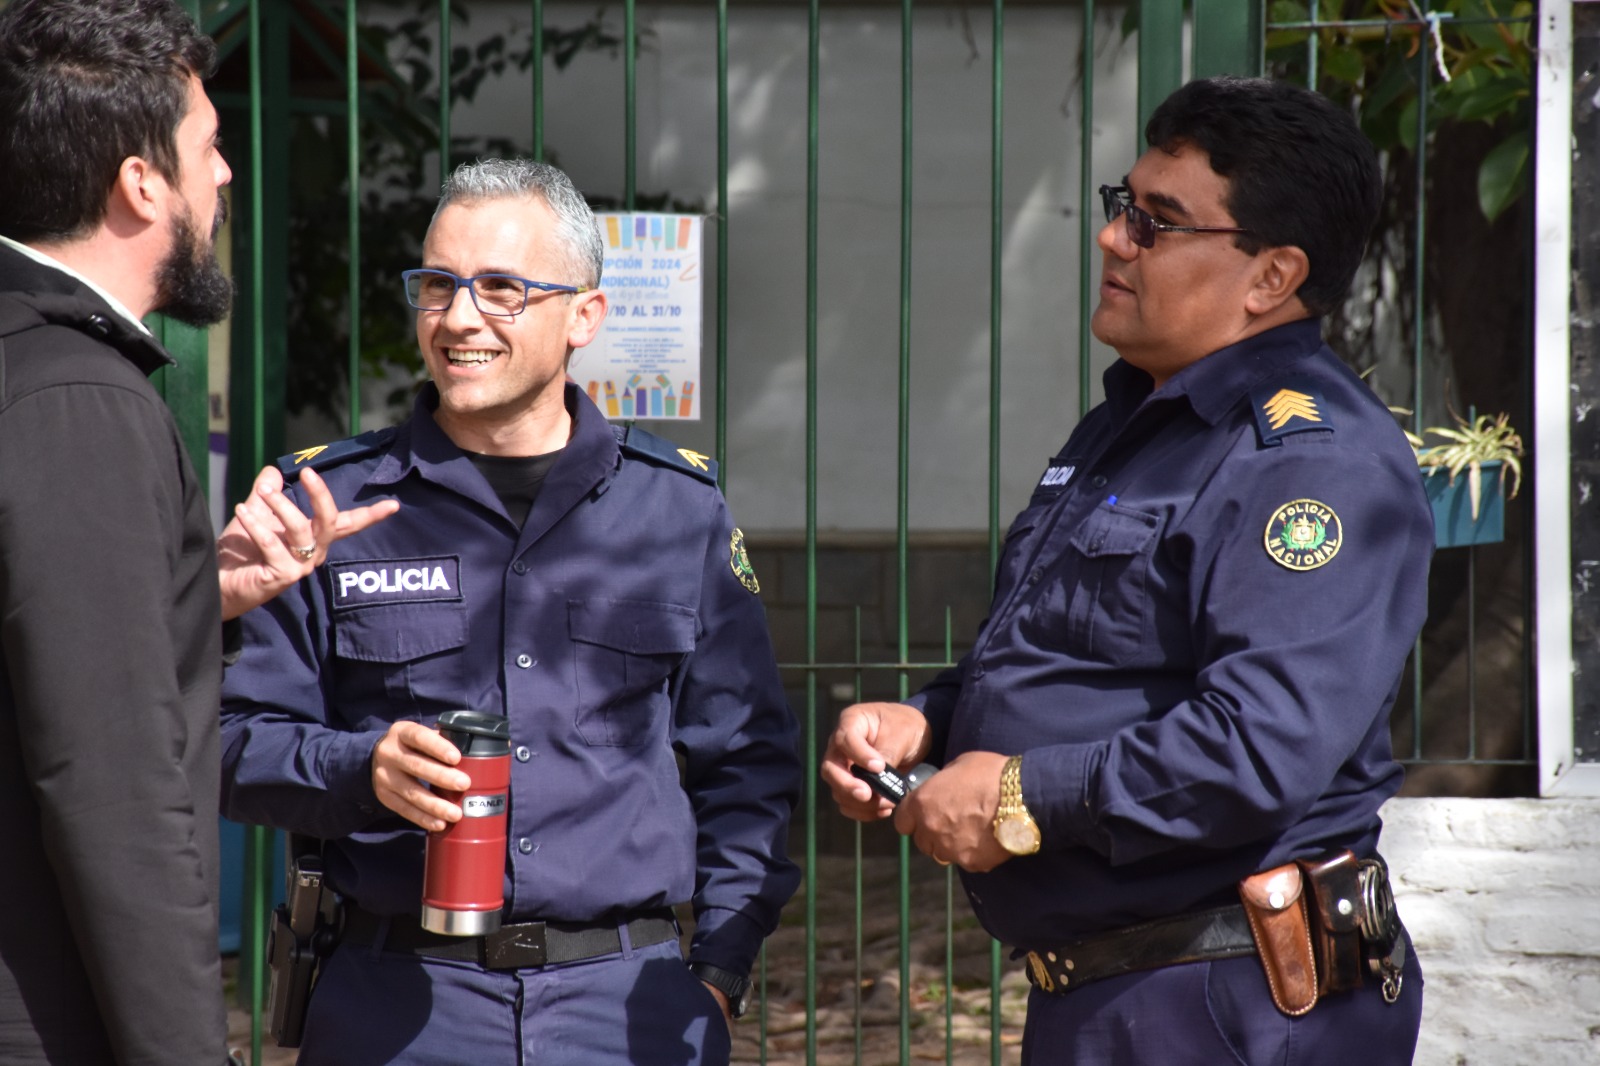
(264, 39)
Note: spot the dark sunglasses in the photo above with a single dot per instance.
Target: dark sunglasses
(1142, 226)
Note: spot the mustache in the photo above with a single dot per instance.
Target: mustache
(221, 217)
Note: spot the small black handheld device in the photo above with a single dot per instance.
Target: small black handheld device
(891, 784)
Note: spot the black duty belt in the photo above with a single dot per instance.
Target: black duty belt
(1219, 933)
(512, 947)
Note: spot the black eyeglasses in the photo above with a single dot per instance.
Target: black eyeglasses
(505, 295)
(1142, 226)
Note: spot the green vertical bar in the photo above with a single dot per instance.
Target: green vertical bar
(996, 260)
(723, 160)
(813, 156)
(860, 909)
(1313, 43)
(903, 492)
(1086, 208)
(186, 386)
(253, 946)
(444, 90)
(1419, 321)
(1160, 54)
(630, 93)
(352, 71)
(1228, 37)
(537, 63)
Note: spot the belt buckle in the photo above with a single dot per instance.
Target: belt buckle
(515, 947)
(1040, 972)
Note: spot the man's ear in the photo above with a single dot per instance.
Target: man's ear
(587, 311)
(1280, 273)
(138, 191)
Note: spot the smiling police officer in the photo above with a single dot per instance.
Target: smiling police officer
(587, 584)
(1164, 757)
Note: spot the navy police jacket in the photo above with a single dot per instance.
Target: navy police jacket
(1198, 629)
(619, 631)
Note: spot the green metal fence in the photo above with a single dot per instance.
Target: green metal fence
(1224, 36)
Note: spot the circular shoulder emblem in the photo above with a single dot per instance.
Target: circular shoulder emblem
(1304, 534)
(739, 560)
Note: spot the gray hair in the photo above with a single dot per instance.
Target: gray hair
(577, 232)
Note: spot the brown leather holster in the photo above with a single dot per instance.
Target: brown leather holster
(1306, 919)
(1275, 902)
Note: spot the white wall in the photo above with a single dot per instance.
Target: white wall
(1502, 898)
(858, 326)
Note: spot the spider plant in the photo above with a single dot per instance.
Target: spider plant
(1470, 444)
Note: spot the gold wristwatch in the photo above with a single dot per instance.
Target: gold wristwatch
(1014, 827)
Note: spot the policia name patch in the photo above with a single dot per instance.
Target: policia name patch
(1303, 534)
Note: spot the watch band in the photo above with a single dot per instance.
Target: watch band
(1014, 826)
(736, 988)
(1011, 787)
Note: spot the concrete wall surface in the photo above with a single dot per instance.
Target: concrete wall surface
(1502, 898)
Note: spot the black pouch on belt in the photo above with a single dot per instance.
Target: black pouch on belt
(1354, 926)
(1335, 883)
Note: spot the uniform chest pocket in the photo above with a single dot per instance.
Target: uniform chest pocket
(412, 654)
(1097, 607)
(624, 653)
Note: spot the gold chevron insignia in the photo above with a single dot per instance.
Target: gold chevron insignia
(695, 459)
(1287, 404)
(309, 453)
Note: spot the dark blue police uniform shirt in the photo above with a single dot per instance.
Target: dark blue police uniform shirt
(1199, 626)
(612, 629)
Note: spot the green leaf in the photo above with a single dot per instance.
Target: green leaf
(1345, 64)
(1503, 175)
(1490, 100)
(1406, 127)
(1395, 79)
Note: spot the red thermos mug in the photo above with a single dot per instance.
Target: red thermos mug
(463, 886)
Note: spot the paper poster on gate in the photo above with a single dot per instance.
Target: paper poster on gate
(645, 363)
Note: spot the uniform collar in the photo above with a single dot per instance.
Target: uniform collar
(1214, 385)
(589, 460)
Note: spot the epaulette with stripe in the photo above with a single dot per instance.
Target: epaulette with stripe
(636, 441)
(325, 455)
(1286, 406)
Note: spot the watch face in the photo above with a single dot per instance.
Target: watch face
(1019, 836)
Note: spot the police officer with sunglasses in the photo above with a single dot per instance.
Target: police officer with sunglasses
(1163, 759)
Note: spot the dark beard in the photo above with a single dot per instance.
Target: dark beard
(190, 285)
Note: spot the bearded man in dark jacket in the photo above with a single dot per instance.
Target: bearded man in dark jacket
(110, 629)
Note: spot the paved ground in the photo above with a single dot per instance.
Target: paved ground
(873, 997)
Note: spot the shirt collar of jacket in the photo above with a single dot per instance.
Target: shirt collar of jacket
(589, 460)
(1214, 385)
(59, 296)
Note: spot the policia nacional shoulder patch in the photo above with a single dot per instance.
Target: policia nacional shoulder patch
(739, 560)
(1304, 534)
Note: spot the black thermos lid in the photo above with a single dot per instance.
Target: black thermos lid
(477, 735)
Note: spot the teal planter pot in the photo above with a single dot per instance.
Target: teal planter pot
(1453, 524)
